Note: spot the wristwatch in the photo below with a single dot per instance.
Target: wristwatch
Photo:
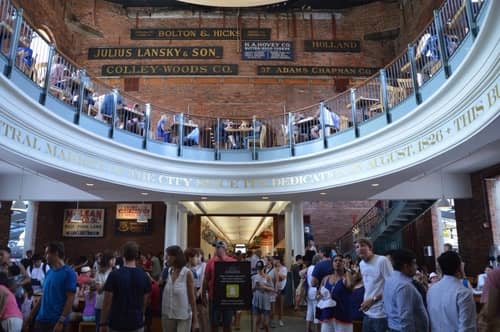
(374, 299)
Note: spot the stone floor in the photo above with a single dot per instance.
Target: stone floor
(294, 322)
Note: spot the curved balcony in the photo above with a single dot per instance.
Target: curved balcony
(434, 97)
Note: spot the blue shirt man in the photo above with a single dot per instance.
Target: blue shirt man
(403, 304)
(59, 289)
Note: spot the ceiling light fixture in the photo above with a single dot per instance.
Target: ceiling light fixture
(323, 194)
(89, 184)
(375, 184)
(76, 217)
(265, 197)
(204, 197)
(144, 194)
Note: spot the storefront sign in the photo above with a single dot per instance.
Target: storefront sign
(169, 69)
(233, 286)
(315, 71)
(92, 224)
(132, 227)
(169, 52)
(267, 50)
(200, 34)
(332, 46)
(132, 211)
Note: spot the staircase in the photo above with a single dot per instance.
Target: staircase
(383, 225)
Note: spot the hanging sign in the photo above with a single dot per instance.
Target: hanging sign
(200, 34)
(124, 227)
(267, 50)
(315, 71)
(132, 211)
(332, 46)
(169, 52)
(92, 224)
(169, 69)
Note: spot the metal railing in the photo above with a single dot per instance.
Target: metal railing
(57, 75)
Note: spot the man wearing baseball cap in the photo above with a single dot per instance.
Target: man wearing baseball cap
(216, 315)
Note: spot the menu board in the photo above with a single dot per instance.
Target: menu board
(233, 285)
(267, 50)
(126, 218)
(92, 224)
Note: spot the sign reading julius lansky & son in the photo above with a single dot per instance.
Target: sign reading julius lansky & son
(315, 71)
(332, 46)
(267, 50)
(169, 69)
(169, 52)
(200, 34)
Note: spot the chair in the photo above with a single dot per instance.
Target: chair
(406, 86)
(260, 140)
(344, 122)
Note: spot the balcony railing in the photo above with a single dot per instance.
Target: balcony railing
(280, 135)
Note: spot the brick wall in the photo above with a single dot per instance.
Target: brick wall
(474, 230)
(330, 220)
(5, 222)
(50, 220)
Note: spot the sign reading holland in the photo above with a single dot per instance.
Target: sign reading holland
(170, 52)
(332, 46)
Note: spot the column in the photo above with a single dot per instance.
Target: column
(495, 216)
(171, 224)
(182, 226)
(437, 231)
(5, 222)
(294, 231)
(30, 228)
(289, 238)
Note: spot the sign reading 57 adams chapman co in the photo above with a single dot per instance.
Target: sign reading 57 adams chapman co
(267, 50)
(169, 69)
(200, 34)
(315, 71)
(170, 52)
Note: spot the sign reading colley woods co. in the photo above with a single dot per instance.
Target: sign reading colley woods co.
(233, 286)
(332, 46)
(315, 71)
(169, 52)
(266, 50)
(169, 69)
(200, 34)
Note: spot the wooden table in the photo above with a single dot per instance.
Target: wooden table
(238, 129)
(364, 104)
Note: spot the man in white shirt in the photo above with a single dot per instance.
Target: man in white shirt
(450, 305)
(375, 270)
(481, 279)
(37, 272)
(257, 256)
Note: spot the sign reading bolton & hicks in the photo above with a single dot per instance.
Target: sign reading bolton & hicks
(266, 50)
(332, 46)
(200, 34)
(170, 52)
(315, 71)
(233, 285)
(169, 69)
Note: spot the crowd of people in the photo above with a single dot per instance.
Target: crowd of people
(124, 292)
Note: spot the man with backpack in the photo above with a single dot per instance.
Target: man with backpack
(37, 272)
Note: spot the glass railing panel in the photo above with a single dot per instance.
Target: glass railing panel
(198, 131)
(477, 5)
(65, 79)
(340, 106)
(99, 102)
(162, 125)
(399, 81)
(306, 124)
(130, 115)
(7, 23)
(32, 54)
(273, 131)
(369, 99)
(453, 17)
(427, 54)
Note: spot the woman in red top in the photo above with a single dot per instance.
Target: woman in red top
(11, 317)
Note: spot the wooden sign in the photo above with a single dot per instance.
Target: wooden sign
(92, 224)
(332, 46)
(315, 71)
(132, 211)
(169, 52)
(132, 227)
(169, 70)
(200, 34)
(267, 50)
